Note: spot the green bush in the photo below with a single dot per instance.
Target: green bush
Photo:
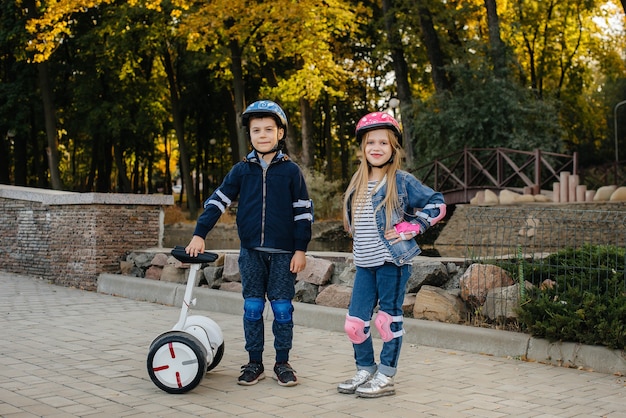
(327, 195)
(582, 299)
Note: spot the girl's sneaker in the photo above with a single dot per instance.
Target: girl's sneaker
(251, 373)
(285, 375)
(379, 385)
(350, 385)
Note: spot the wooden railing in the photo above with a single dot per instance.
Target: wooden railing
(459, 176)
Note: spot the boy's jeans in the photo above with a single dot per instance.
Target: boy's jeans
(386, 286)
(267, 274)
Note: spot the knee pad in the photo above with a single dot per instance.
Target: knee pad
(383, 324)
(283, 308)
(253, 309)
(355, 328)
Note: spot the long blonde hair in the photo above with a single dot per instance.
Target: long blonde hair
(356, 192)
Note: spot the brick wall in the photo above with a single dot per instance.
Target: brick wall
(70, 238)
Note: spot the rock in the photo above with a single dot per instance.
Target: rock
(603, 194)
(478, 199)
(334, 295)
(318, 271)
(436, 304)
(432, 273)
(159, 259)
(525, 198)
(231, 287)
(347, 275)
(530, 227)
(508, 197)
(141, 260)
(478, 279)
(619, 195)
(491, 198)
(173, 274)
(126, 267)
(408, 304)
(231, 268)
(501, 302)
(305, 292)
(154, 273)
(213, 276)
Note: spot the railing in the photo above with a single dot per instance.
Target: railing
(459, 176)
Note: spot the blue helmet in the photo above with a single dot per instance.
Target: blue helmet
(263, 108)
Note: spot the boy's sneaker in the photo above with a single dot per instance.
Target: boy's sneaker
(251, 373)
(285, 375)
(379, 385)
(350, 385)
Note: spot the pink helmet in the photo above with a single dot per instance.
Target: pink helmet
(377, 120)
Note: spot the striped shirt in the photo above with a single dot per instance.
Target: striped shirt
(368, 249)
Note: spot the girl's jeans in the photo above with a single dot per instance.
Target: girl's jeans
(383, 285)
(267, 274)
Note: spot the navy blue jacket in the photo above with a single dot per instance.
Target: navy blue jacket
(274, 209)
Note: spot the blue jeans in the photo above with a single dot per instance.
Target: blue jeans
(266, 274)
(384, 286)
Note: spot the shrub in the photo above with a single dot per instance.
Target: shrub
(327, 195)
(584, 301)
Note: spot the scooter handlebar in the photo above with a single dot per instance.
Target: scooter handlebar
(206, 257)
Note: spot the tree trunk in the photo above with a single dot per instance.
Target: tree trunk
(497, 49)
(328, 142)
(306, 120)
(436, 56)
(238, 89)
(179, 129)
(402, 79)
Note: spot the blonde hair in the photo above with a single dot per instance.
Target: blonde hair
(357, 189)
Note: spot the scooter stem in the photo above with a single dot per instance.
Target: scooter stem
(191, 282)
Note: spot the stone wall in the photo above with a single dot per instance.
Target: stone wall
(70, 238)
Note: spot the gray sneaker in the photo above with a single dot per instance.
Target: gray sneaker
(379, 385)
(350, 385)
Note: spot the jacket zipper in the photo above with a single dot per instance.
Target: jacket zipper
(263, 205)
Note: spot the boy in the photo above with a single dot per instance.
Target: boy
(274, 219)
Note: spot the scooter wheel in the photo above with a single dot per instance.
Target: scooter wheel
(219, 353)
(176, 362)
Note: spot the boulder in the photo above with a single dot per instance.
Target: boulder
(174, 274)
(426, 272)
(231, 287)
(508, 197)
(334, 295)
(603, 194)
(231, 268)
(436, 304)
(491, 198)
(305, 292)
(478, 279)
(159, 259)
(318, 271)
(154, 272)
(619, 195)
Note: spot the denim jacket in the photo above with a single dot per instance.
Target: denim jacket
(419, 205)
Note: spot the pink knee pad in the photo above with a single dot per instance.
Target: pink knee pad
(383, 324)
(355, 328)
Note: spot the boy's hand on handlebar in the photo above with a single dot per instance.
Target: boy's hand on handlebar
(195, 246)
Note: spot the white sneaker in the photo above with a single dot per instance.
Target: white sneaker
(379, 385)
(350, 385)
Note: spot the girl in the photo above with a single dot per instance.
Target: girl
(385, 208)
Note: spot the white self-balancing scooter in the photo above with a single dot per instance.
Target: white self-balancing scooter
(179, 358)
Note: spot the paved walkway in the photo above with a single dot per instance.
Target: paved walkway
(71, 353)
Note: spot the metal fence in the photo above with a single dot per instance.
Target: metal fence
(507, 235)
